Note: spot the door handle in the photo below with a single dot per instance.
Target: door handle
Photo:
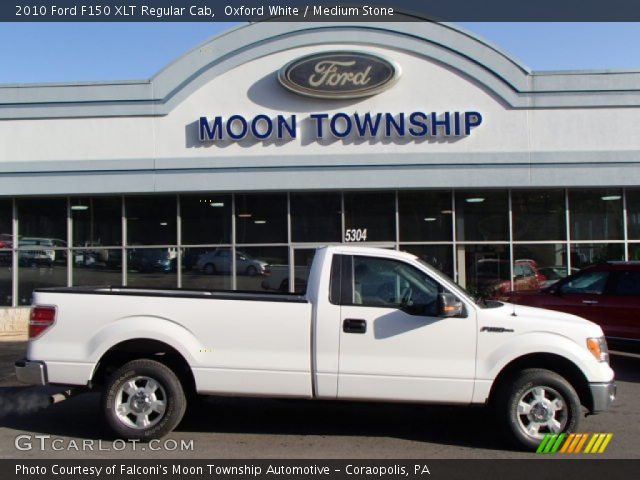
(590, 302)
(354, 325)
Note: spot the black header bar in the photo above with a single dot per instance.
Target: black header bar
(318, 10)
(419, 469)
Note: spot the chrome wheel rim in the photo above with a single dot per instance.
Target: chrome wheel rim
(140, 402)
(542, 410)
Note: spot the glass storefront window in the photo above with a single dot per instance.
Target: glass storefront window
(38, 275)
(152, 267)
(370, 217)
(596, 214)
(205, 219)
(634, 252)
(316, 217)
(438, 256)
(262, 268)
(99, 266)
(42, 218)
(6, 295)
(484, 270)
(538, 215)
(208, 268)
(302, 260)
(482, 215)
(151, 220)
(425, 216)
(6, 226)
(583, 254)
(261, 218)
(6, 243)
(97, 221)
(633, 213)
(538, 266)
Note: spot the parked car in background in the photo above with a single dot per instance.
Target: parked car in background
(35, 251)
(219, 261)
(554, 273)
(278, 278)
(491, 276)
(152, 260)
(607, 294)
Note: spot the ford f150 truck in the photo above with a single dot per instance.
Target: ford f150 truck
(374, 324)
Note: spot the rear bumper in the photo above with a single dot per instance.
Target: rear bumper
(32, 373)
(603, 395)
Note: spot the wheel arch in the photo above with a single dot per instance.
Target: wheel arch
(148, 348)
(548, 361)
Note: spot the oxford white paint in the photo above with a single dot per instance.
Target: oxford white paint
(267, 348)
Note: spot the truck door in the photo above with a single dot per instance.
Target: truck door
(390, 351)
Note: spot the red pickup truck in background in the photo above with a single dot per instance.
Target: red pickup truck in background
(607, 294)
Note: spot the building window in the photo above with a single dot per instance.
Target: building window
(583, 254)
(538, 215)
(316, 217)
(538, 266)
(97, 221)
(42, 218)
(97, 266)
(205, 219)
(302, 259)
(484, 270)
(633, 213)
(596, 214)
(425, 216)
(209, 268)
(370, 217)
(151, 220)
(261, 218)
(6, 243)
(482, 216)
(262, 268)
(438, 256)
(152, 267)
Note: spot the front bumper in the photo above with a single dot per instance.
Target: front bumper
(32, 373)
(603, 395)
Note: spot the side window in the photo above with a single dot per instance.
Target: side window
(380, 282)
(586, 283)
(628, 283)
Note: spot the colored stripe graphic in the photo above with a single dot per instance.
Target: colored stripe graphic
(582, 440)
(574, 442)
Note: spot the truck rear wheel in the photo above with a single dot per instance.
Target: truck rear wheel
(536, 402)
(143, 400)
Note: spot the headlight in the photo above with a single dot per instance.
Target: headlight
(598, 348)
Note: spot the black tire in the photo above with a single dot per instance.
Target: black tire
(170, 392)
(252, 271)
(540, 390)
(209, 269)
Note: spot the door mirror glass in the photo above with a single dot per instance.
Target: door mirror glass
(449, 305)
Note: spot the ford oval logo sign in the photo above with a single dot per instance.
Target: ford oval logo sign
(338, 75)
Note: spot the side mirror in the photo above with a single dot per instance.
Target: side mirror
(449, 305)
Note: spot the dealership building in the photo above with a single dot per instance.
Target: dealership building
(227, 168)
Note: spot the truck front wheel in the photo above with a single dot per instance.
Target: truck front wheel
(536, 402)
(143, 400)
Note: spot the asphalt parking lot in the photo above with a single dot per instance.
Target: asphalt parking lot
(218, 427)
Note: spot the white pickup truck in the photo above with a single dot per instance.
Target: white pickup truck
(374, 324)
